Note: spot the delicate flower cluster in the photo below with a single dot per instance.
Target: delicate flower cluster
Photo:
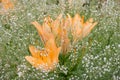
(58, 35)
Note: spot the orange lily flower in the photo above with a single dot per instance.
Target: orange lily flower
(65, 41)
(61, 27)
(46, 59)
(87, 27)
(55, 29)
(7, 4)
(44, 31)
(54, 25)
(79, 28)
(54, 32)
(49, 28)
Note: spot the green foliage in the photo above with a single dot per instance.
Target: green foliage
(96, 57)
